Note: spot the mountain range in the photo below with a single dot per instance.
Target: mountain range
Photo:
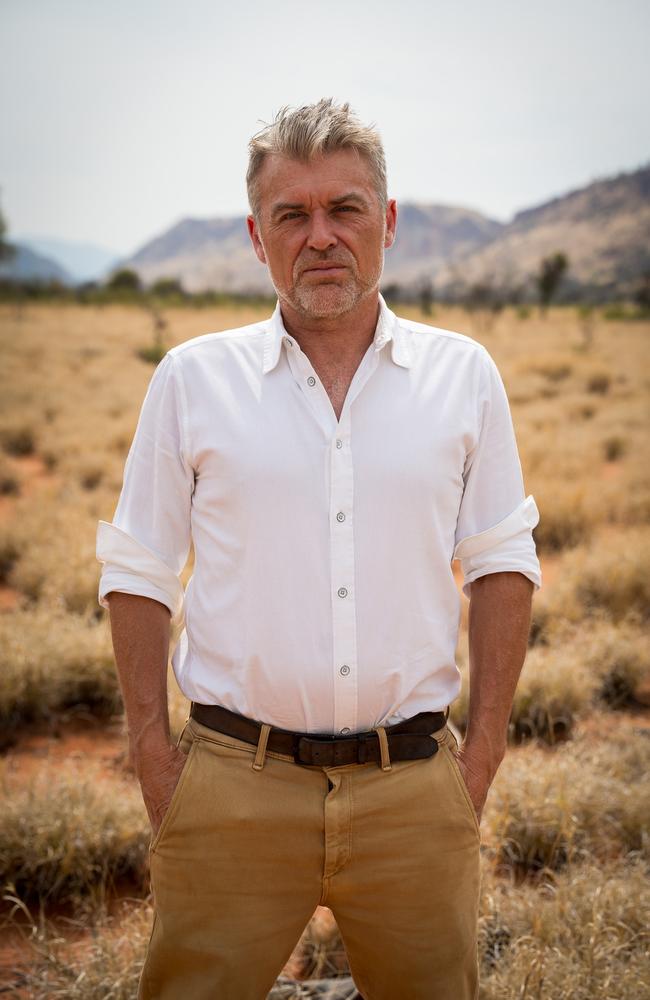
(603, 228)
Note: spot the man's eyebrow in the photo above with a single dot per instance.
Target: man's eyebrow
(352, 196)
(293, 206)
(285, 206)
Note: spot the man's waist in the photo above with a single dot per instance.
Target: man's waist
(408, 739)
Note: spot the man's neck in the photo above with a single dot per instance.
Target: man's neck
(340, 341)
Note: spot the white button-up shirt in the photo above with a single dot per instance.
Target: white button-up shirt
(323, 598)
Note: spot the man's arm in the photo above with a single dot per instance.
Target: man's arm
(499, 623)
(140, 632)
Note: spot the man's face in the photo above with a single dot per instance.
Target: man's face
(322, 231)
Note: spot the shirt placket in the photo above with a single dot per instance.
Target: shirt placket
(345, 673)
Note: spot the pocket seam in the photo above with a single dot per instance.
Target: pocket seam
(463, 788)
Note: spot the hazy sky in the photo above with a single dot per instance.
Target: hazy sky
(118, 118)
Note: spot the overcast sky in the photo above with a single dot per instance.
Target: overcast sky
(118, 118)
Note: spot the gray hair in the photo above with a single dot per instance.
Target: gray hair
(312, 130)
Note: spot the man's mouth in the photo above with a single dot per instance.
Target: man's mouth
(324, 267)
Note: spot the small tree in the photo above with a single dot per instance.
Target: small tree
(392, 292)
(551, 271)
(426, 297)
(124, 280)
(7, 251)
(485, 300)
(167, 288)
(642, 293)
(157, 350)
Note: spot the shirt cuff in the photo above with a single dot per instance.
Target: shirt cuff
(132, 568)
(507, 546)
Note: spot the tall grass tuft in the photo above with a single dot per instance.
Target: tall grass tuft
(50, 662)
(62, 840)
(582, 935)
(571, 804)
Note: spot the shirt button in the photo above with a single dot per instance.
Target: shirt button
(339, 443)
(345, 670)
(288, 342)
(340, 516)
(311, 380)
(342, 592)
(346, 729)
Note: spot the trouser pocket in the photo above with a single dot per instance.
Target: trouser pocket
(449, 748)
(187, 745)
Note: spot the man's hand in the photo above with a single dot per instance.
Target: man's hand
(159, 773)
(478, 775)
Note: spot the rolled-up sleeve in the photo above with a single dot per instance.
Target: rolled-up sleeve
(494, 530)
(144, 549)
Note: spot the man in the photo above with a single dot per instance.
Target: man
(328, 463)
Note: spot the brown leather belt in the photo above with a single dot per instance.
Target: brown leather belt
(407, 740)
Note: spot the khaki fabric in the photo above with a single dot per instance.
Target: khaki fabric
(244, 856)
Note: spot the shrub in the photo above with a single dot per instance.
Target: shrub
(9, 480)
(61, 838)
(18, 441)
(614, 448)
(580, 936)
(605, 582)
(599, 383)
(555, 689)
(573, 803)
(50, 662)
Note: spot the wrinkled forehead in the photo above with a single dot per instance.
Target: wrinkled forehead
(323, 179)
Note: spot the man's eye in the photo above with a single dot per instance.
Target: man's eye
(290, 215)
(345, 208)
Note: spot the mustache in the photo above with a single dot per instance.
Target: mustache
(304, 263)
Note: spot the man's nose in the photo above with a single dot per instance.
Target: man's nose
(321, 233)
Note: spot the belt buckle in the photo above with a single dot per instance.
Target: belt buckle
(311, 741)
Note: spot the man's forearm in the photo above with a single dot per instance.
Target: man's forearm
(140, 632)
(499, 623)
(140, 629)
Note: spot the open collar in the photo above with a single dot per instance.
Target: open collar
(388, 330)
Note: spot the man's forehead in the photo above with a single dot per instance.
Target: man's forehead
(330, 176)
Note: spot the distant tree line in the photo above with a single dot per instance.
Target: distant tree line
(486, 297)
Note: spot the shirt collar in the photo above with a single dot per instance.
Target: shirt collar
(388, 329)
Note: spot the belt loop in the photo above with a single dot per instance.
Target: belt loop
(383, 746)
(258, 763)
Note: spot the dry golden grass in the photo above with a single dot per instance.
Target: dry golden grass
(63, 840)
(580, 935)
(51, 661)
(577, 802)
(583, 935)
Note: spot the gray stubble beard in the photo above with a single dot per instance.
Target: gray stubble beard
(318, 302)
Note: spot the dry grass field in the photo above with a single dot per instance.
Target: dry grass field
(565, 891)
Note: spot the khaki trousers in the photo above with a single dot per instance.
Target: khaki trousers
(244, 856)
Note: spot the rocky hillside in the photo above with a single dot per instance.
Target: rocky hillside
(604, 229)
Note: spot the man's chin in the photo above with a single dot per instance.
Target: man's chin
(326, 300)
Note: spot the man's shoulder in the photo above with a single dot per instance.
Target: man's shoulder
(209, 344)
(433, 335)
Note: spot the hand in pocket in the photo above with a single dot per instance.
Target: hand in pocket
(159, 774)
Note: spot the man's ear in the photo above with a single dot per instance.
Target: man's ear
(255, 239)
(391, 223)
